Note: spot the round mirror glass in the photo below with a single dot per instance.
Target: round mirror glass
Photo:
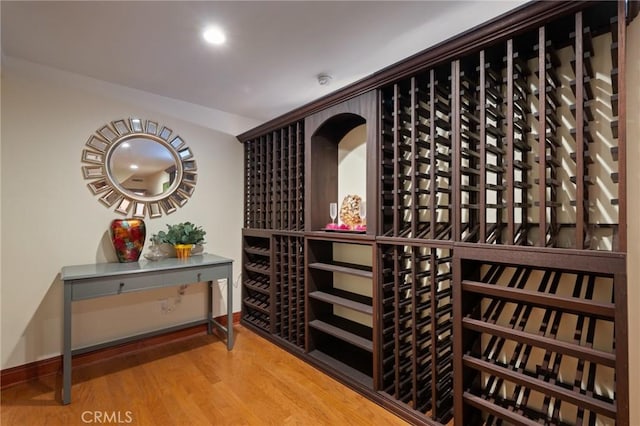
(142, 167)
(139, 167)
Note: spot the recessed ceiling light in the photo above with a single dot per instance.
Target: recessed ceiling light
(133, 166)
(214, 35)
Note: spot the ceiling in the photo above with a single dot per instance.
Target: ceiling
(270, 63)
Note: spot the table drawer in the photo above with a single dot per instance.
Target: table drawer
(90, 288)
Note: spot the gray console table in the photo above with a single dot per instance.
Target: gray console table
(107, 279)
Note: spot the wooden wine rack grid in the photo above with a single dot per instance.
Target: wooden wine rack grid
(540, 337)
(473, 151)
(274, 180)
(289, 289)
(416, 309)
(498, 227)
(256, 280)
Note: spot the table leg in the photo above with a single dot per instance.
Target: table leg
(229, 307)
(66, 352)
(209, 307)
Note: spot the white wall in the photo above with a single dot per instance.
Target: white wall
(352, 164)
(49, 217)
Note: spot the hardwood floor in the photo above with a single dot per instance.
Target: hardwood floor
(195, 382)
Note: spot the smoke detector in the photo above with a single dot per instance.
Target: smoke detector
(324, 79)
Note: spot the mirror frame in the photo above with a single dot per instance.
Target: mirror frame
(99, 149)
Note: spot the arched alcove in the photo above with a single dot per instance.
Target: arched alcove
(325, 131)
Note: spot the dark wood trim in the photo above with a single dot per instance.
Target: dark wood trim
(622, 132)
(378, 222)
(458, 343)
(545, 257)
(456, 145)
(542, 139)
(622, 347)
(414, 155)
(581, 218)
(499, 28)
(263, 233)
(510, 154)
(34, 370)
(482, 201)
(341, 236)
(396, 157)
(432, 153)
(272, 287)
(634, 8)
(283, 233)
(376, 357)
(574, 305)
(415, 242)
(498, 411)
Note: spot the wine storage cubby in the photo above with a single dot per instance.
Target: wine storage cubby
(289, 288)
(496, 226)
(340, 306)
(274, 179)
(540, 337)
(416, 310)
(256, 280)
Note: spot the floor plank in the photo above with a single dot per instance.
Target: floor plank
(195, 381)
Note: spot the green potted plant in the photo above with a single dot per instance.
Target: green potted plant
(182, 236)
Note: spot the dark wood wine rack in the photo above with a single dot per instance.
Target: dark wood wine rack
(289, 288)
(415, 155)
(274, 180)
(479, 151)
(496, 217)
(540, 335)
(416, 309)
(257, 286)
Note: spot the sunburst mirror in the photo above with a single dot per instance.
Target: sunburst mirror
(139, 167)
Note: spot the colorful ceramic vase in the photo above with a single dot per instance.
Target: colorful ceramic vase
(128, 237)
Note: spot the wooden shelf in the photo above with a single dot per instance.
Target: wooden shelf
(260, 268)
(255, 304)
(340, 331)
(257, 250)
(343, 267)
(344, 298)
(256, 321)
(259, 286)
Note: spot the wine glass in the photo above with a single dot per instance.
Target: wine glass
(363, 211)
(333, 211)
